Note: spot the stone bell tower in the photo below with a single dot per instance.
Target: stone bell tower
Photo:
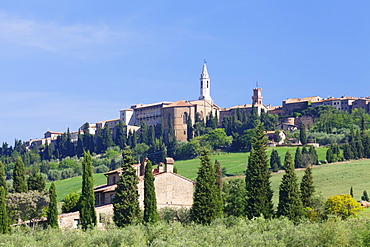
(205, 84)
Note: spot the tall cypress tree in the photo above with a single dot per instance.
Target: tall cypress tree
(150, 201)
(120, 138)
(87, 199)
(126, 200)
(19, 177)
(4, 222)
(52, 216)
(2, 177)
(351, 192)
(314, 156)
(303, 134)
(258, 184)
(275, 163)
(207, 204)
(290, 204)
(307, 188)
(298, 158)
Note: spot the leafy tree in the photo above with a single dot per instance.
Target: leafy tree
(365, 196)
(87, 199)
(52, 216)
(126, 200)
(27, 205)
(307, 188)
(2, 177)
(298, 158)
(303, 134)
(275, 163)
(4, 222)
(343, 206)
(70, 203)
(217, 138)
(207, 204)
(290, 204)
(19, 177)
(150, 201)
(36, 182)
(258, 184)
(234, 197)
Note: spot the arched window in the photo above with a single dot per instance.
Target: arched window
(207, 84)
(185, 118)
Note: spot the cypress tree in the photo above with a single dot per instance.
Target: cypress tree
(298, 158)
(307, 188)
(351, 192)
(258, 185)
(87, 199)
(290, 204)
(2, 177)
(303, 134)
(19, 177)
(4, 222)
(207, 204)
(52, 216)
(150, 201)
(275, 162)
(36, 182)
(314, 156)
(120, 138)
(365, 196)
(218, 174)
(126, 200)
(189, 129)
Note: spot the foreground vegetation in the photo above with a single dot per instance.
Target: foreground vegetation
(222, 232)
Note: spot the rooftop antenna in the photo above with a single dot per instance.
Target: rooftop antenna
(205, 61)
(257, 84)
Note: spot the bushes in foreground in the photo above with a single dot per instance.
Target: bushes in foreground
(222, 232)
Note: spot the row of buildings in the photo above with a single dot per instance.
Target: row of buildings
(181, 110)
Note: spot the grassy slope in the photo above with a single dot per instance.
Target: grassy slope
(66, 186)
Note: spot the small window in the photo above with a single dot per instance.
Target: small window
(114, 180)
(76, 222)
(184, 132)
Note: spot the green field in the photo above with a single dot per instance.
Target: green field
(235, 163)
(66, 186)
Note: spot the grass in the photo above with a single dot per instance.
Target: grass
(235, 163)
(66, 186)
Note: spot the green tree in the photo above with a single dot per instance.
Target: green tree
(70, 203)
(52, 216)
(303, 134)
(307, 188)
(290, 204)
(2, 177)
(126, 200)
(314, 156)
(19, 177)
(234, 197)
(365, 196)
(120, 138)
(298, 158)
(275, 163)
(150, 201)
(258, 184)
(36, 182)
(342, 206)
(207, 204)
(4, 222)
(351, 192)
(87, 199)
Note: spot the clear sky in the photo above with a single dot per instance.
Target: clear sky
(64, 63)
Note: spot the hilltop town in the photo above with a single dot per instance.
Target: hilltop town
(177, 115)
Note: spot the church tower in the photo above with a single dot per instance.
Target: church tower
(257, 96)
(205, 84)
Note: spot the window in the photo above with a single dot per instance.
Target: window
(184, 132)
(185, 118)
(114, 180)
(207, 84)
(76, 222)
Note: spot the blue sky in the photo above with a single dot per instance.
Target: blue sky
(64, 63)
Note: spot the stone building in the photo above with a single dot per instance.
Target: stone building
(292, 105)
(172, 190)
(343, 103)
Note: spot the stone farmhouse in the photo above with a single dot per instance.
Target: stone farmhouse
(172, 190)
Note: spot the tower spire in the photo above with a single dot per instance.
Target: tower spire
(205, 84)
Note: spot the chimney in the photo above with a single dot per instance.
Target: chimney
(160, 167)
(169, 164)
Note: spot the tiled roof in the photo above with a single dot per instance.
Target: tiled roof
(179, 103)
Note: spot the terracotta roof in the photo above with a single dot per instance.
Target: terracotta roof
(54, 132)
(105, 188)
(117, 170)
(295, 100)
(179, 103)
(153, 104)
(106, 121)
(128, 109)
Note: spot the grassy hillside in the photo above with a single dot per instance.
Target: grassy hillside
(233, 162)
(66, 186)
